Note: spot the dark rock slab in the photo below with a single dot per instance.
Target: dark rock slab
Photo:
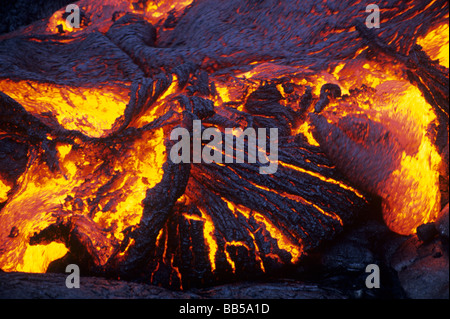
(423, 268)
(52, 286)
(442, 223)
(278, 290)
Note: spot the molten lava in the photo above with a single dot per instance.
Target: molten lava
(360, 114)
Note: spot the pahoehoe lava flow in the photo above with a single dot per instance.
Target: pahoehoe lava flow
(361, 114)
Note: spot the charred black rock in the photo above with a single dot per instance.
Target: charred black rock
(327, 91)
(426, 232)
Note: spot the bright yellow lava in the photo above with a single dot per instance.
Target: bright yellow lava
(208, 233)
(37, 258)
(436, 44)
(42, 195)
(142, 167)
(282, 241)
(411, 193)
(91, 111)
(4, 189)
(305, 129)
